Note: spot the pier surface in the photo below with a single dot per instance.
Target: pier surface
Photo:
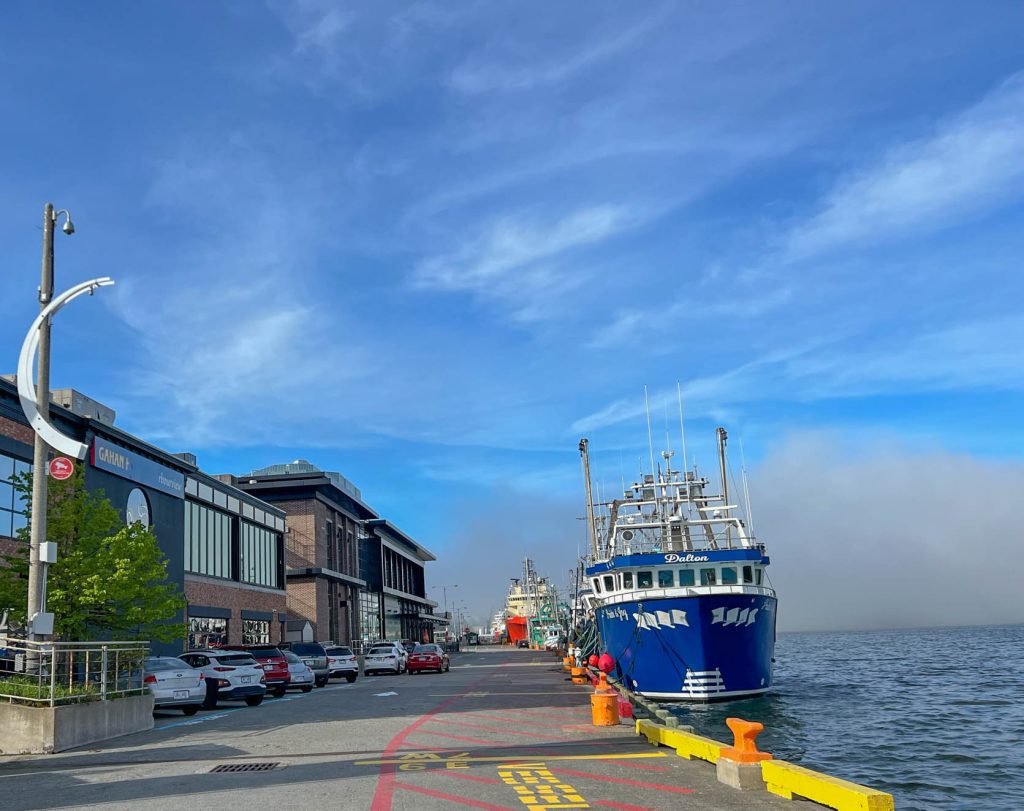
(503, 730)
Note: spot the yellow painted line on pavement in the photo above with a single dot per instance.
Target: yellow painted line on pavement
(433, 758)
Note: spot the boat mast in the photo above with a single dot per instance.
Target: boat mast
(591, 523)
(722, 437)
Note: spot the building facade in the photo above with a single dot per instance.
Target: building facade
(224, 548)
(325, 515)
(395, 604)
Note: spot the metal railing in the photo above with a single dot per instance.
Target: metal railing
(54, 673)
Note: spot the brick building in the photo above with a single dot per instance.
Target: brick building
(325, 521)
(224, 548)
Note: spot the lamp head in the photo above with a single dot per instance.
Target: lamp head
(69, 227)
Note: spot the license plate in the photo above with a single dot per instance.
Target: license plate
(246, 679)
(180, 694)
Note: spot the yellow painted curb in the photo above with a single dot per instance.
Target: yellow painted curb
(686, 744)
(786, 779)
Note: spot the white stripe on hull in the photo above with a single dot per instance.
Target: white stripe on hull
(705, 697)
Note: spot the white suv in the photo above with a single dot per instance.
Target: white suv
(342, 662)
(231, 675)
(384, 656)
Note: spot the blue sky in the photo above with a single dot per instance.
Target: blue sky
(431, 245)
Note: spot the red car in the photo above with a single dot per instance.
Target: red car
(428, 657)
(274, 664)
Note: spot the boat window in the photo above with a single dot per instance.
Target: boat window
(748, 574)
(666, 580)
(627, 580)
(597, 584)
(729, 575)
(609, 582)
(757, 575)
(707, 577)
(686, 577)
(644, 580)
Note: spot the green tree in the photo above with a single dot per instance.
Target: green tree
(109, 581)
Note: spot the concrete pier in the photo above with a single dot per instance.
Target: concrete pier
(504, 729)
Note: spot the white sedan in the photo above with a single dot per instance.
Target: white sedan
(383, 656)
(301, 675)
(174, 684)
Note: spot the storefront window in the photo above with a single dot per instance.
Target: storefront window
(207, 632)
(12, 507)
(369, 617)
(255, 632)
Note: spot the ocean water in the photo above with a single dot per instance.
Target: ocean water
(933, 716)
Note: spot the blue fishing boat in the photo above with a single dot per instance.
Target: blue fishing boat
(679, 587)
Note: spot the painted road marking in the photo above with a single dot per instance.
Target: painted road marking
(539, 789)
(435, 760)
(381, 695)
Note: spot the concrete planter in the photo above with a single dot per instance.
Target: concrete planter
(26, 730)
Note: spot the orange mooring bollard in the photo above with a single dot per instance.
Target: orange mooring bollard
(567, 663)
(744, 748)
(578, 676)
(604, 705)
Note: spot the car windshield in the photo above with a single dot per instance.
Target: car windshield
(153, 665)
(292, 658)
(308, 649)
(378, 649)
(427, 649)
(339, 651)
(265, 653)
(235, 660)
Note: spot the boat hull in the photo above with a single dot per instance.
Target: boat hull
(704, 648)
(517, 629)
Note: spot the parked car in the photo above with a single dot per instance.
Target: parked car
(275, 666)
(429, 657)
(231, 675)
(523, 643)
(342, 662)
(314, 655)
(383, 656)
(174, 683)
(301, 676)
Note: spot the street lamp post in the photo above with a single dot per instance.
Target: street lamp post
(36, 570)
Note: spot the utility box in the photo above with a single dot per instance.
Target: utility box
(48, 552)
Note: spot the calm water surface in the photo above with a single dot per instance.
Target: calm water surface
(934, 716)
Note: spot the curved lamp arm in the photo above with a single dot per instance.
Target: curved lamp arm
(26, 362)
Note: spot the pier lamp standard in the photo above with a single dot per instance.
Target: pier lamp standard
(444, 596)
(35, 402)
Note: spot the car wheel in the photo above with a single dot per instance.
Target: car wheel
(280, 691)
(447, 667)
(254, 701)
(191, 709)
(308, 688)
(210, 702)
(350, 677)
(321, 682)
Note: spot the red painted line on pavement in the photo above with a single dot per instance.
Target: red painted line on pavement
(384, 795)
(624, 781)
(440, 795)
(496, 729)
(455, 737)
(623, 806)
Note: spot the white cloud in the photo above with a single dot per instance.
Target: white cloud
(476, 77)
(512, 260)
(971, 163)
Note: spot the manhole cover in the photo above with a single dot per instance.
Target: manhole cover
(243, 767)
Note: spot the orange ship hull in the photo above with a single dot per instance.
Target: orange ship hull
(516, 628)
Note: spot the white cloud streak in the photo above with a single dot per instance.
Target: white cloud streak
(969, 165)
